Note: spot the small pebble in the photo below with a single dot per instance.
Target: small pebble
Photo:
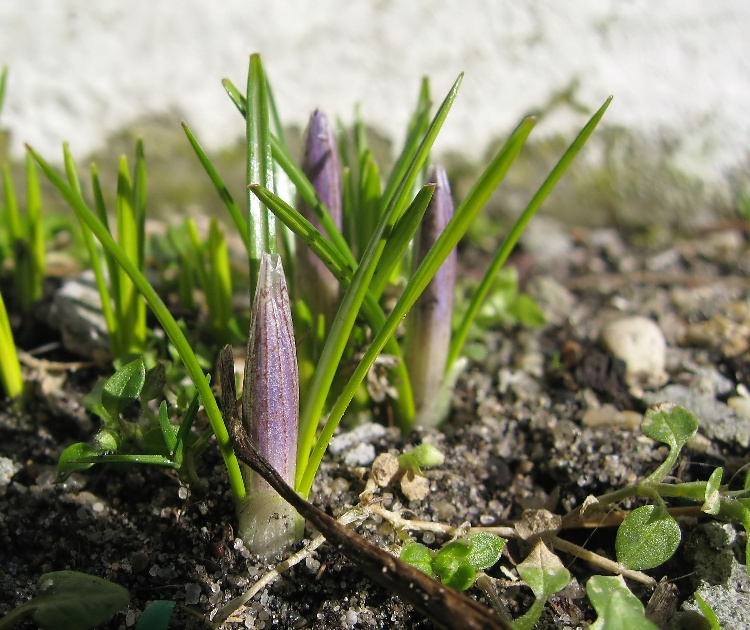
(641, 344)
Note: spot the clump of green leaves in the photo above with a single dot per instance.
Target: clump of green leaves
(456, 564)
(141, 438)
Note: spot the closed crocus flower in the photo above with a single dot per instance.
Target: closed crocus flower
(270, 413)
(428, 332)
(315, 284)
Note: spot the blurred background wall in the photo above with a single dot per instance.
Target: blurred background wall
(680, 69)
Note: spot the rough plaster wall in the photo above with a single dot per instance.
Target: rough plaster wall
(80, 69)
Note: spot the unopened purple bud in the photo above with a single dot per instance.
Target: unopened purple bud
(315, 284)
(429, 322)
(270, 411)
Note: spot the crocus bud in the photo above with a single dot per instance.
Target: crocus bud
(428, 331)
(270, 413)
(315, 284)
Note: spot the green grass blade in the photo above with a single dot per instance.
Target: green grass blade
(306, 190)
(139, 201)
(35, 229)
(113, 325)
(101, 212)
(3, 84)
(171, 328)
(236, 96)
(221, 280)
(418, 126)
(261, 227)
(226, 197)
(369, 205)
(12, 214)
(322, 378)
(510, 241)
(127, 303)
(399, 240)
(10, 368)
(461, 221)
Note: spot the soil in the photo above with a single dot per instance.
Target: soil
(519, 437)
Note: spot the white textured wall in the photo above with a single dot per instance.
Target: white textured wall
(82, 68)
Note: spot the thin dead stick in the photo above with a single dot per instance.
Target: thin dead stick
(604, 563)
(444, 606)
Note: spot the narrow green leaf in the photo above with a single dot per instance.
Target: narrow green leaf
(617, 608)
(399, 240)
(519, 226)
(707, 612)
(168, 430)
(10, 368)
(647, 537)
(3, 84)
(234, 212)
(259, 171)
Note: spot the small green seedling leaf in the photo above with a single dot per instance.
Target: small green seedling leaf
(69, 600)
(707, 612)
(153, 386)
(168, 430)
(617, 608)
(67, 465)
(669, 423)
(422, 456)
(419, 556)
(452, 566)
(485, 550)
(123, 388)
(543, 571)
(647, 537)
(156, 616)
(712, 504)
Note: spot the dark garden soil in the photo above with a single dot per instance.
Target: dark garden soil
(524, 433)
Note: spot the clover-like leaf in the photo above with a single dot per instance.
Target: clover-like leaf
(712, 504)
(647, 537)
(124, 386)
(485, 550)
(617, 608)
(543, 571)
(419, 556)
(669, 423)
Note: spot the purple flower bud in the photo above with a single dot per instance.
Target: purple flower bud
(270, 412)
(429, 322)
(315, 284)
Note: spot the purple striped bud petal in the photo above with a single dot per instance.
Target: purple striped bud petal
(270, 412)
(429, 322)
(315, 284)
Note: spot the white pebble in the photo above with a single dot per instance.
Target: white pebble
(641, 344)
